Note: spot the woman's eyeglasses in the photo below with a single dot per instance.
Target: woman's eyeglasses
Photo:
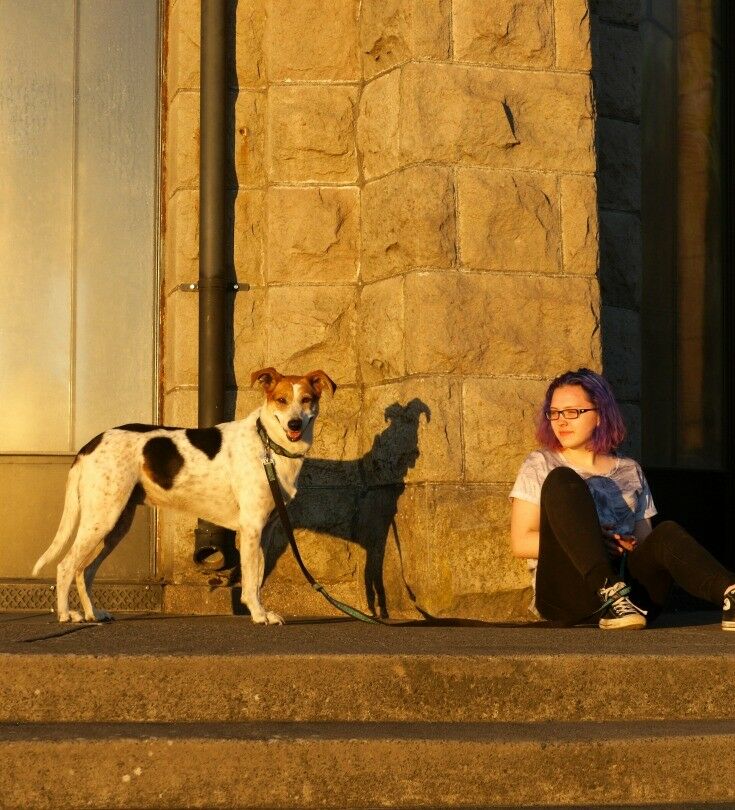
(567, 413)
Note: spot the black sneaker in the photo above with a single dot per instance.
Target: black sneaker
(728, 610)
(619, 613)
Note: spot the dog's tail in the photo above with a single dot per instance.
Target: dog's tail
(68, 521)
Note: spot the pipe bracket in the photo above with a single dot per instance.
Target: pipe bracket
(229, 286)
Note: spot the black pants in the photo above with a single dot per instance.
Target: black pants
(574, 564)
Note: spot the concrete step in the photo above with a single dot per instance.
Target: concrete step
(357, 765)
(214, 712)
(528, 687)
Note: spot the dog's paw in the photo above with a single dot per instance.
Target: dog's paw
(99, 615)
(267, 617)
(71, 616)
(273, 618)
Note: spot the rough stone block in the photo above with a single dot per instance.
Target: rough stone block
(249, 139)
(530, 325)
(334, 457)
(313, 327)
(621, 259)
(247, 399)
(621, 351)
(381, 331)
(499, 418)
(508, 221)
(385, 584)
(180, 407)
(517, 33)
(250, 62)
(411, 431)
(323, 522)
(580, 230)
(573, 37)
(632, 418)
(245, 215)
(312, 133)
(249, 337)
(627, 12)
(619, 173)
(377, 125)
(181, 339)
(455, 550)
(482, 116)
(395, 31)
(664, 12)
(408, 220)
(176, 533)
(313, 234)
(618, 73)
(182, 239)
(183, 47)
(182, 166)
(247, 233)
(349, 541)
(313, 39)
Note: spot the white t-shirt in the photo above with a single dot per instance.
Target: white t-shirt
(622, 496)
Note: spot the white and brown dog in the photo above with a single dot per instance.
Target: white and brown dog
(213, 473)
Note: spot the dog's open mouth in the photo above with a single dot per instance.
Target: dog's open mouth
(293, 435)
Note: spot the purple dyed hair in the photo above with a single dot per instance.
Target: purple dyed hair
(609, 434)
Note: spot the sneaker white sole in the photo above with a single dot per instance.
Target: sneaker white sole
(728, 625)
(625, 623)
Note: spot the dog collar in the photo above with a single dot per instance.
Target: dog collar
(269, 443)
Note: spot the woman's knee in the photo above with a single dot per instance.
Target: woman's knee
(560, 482)
(665, 530)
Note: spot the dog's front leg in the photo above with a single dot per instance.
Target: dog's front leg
(251, 574)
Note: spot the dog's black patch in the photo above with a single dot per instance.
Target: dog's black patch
(89, 447)
(162, 461)
(208, 440)
(135, 427)
(137, 496)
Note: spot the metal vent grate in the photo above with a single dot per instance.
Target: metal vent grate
(117, 598)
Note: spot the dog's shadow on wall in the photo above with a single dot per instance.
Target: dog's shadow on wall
(355, 501)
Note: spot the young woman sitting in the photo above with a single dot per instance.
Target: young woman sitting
(584, 513)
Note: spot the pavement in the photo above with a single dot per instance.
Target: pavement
(161, 634)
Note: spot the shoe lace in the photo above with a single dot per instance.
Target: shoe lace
(624, 607)
(616, 599)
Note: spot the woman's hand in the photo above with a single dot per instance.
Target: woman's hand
(617, 543)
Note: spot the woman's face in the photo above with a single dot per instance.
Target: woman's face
(573, 434)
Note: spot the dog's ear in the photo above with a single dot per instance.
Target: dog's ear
(267, 377)
(320, 382)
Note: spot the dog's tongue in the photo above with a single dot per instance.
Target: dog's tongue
(293, 435)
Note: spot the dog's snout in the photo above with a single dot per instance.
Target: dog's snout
(294, 424)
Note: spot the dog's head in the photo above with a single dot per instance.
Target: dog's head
(291, 403)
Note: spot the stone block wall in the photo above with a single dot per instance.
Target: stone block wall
(415, 209)
(617, 53)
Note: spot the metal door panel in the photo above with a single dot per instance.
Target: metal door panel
(31, 502)
(78, 309)
(116, 196)
(36, 209)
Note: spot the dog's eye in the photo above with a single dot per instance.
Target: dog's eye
(282, 401)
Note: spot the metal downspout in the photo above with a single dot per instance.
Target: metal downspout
(210, 540)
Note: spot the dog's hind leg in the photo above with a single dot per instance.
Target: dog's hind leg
(100, 515)
(85, 574)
